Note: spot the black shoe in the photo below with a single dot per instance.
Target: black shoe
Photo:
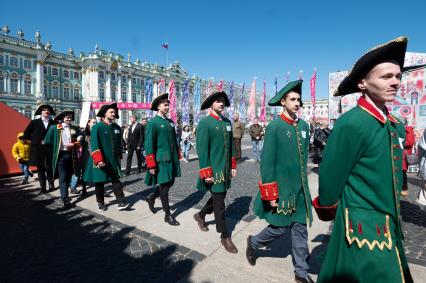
(51, 187)
(30, 173)
(66, 203)
(127, 173)
(250, 252)
(102, 207)
(84, 194)
(171, 220)
(229, 245)
(307, 279)
(42, 191)
(123, 205)
(201, 222)
(151, 202)
(25, 181)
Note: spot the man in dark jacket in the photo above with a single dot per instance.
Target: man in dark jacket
(256, 133)
(144, 121)
(40, 155)
(134, 142)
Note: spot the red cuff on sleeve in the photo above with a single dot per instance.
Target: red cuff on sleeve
(233, 163)
(206, 173)
(180, 155)
(97, 156)
(325, 213)
(150, 161)
(268, 191)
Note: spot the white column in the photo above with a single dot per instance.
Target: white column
(129, 91)
(39, 80)
(84, 92)
(119, 88)
(95, 84)
(155, 89)
(108, 87)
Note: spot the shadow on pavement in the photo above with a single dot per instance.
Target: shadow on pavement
(239, 208)
(318, 253)
(41, 241)
(413, 213)
(188, 202)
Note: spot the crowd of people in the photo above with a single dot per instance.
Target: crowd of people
(361, 172)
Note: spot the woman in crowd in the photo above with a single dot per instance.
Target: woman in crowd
(186, 142)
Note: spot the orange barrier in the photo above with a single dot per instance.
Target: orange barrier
(11, 123)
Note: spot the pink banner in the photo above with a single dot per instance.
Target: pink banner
(172, 98)
(262, 116)
(220, 86)
(123, 105)
(313, 82)
(252, 102)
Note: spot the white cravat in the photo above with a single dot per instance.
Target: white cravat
(66, 136)
(46, 123)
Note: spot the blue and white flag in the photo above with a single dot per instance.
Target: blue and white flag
(242, 107)
(185, 103)
(197, 102)
(148, 94)
(231, 100)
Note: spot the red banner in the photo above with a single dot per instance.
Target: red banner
(124, 105)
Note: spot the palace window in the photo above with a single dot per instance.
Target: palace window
(27, 64)
(134, 81)
(66, 92)
(14, 84)
(101, 94)
(101, 75)
(66, 74)
(76, 93)
(14, 61)
(55, 90)
(28, 113)
(123, 94)
(76, 76)
(27, 84)
(123, 79)
(1, 60)
(54, 72)
(134, 93)
(46, 87)
(113, 93)
(1, 83)
(112, 77)
(45, 70)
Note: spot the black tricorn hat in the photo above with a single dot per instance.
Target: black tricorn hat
(43, 106)
(156, 101)
(105, 107)
(61, 115)
(393, 50)
(208, 102)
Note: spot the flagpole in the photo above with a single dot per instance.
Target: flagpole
(167, 57)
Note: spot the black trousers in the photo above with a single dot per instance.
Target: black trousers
(130, 152)
(65, 170)
(216, 204)
(117, 188)
(162, 191)
(404, 180)
(44, 173)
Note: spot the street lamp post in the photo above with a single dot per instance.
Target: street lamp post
(55, 102)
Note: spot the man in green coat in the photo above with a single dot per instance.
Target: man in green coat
(62, 139)
(361, 176)
(104, 163)
(162, 156)
(216, 154)
(284, 200)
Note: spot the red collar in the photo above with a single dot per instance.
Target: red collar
(369, 108)
(288, 120)
(216, 117)
(59, 126)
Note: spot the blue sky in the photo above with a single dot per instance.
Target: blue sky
(231, 40)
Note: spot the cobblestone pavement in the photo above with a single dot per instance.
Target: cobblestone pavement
(239, 202)
(42, 242)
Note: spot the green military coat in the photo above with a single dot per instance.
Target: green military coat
(361, 171)
(53, 139)
(162, 151)
(284, 161)
(105, 146)
(216, 153)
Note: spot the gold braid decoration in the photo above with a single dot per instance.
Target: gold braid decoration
(290, 207)
(362, 242)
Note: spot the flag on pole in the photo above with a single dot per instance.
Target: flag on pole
(197, 102)
(172, 98)
(161, 87)
(251, 111)
(262, 116)
(185, 103)
(220, 86)
(209, 89)
(313, 82)
(242, 106)
(276, 85)
(148, 95)
(165, 45)
(287, 77)
(231, 99)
